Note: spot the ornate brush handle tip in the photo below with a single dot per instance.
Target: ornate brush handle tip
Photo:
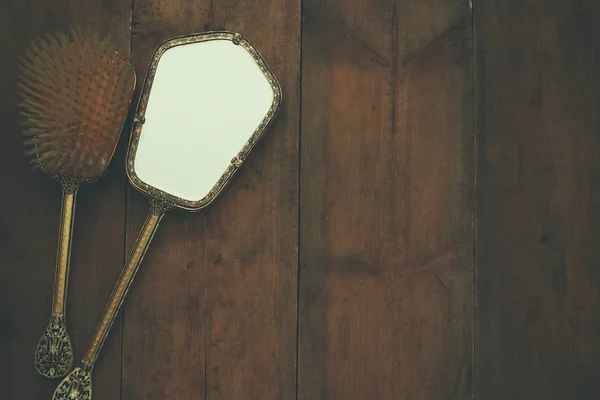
(54, 353)
(77, 385)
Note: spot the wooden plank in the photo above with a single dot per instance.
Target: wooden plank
(29, 214)
(386, 204)
(213, 312)
(538, 93)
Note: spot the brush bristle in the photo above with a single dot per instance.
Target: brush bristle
(75, 92)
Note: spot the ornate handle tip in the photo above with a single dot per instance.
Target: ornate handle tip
(77, 385)
(54, 352)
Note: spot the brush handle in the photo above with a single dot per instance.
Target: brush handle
(63, 257)
(78, 383)
(54, 352)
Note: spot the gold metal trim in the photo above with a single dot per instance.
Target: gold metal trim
(237, 38)
(241, 156)
(77, 385)
(63, 256)
(236, 162)
(123, 284)
(54, 352)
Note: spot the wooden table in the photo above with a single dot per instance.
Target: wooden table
(420, 223)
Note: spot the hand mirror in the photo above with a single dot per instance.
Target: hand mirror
(206, 101)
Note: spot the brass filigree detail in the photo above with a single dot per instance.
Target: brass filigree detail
(238, 40)
(69, 183)
(236, 162)
(54, 352)
(122, 287)
(77, 385)
(159, 202)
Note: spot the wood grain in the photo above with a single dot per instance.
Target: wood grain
(366, 185)
(213, 312)
(386, 204)
(538, 190)
(29, 216)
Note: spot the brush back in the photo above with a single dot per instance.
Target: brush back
(75, 94)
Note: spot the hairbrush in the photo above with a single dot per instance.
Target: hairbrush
(75, 93)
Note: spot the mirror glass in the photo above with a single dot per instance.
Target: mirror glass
(206, 101)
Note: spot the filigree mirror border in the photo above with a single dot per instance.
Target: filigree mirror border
(237, 161)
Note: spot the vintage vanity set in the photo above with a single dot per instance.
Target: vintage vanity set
(206, 101)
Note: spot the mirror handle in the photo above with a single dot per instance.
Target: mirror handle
(123, 284)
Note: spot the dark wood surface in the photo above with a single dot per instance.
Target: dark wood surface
(386, 204)
(419, 223)
(538, 196)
